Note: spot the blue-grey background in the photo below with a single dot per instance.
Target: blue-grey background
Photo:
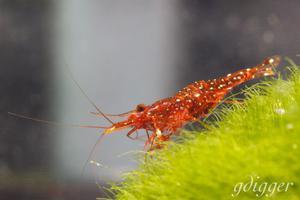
(122, 53)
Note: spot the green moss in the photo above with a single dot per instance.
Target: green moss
(260, 137)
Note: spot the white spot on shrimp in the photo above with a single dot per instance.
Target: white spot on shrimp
(248, 69)
(158, 132)
(228, 75)
(178, 100)
(197, 95)
(221, 86)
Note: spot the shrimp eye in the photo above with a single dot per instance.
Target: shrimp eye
(140, 107)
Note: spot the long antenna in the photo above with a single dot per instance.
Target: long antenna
(92, 152)
(100, 138)
(53, 122)
(88, 98)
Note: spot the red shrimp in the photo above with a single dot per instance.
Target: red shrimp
(164, 117)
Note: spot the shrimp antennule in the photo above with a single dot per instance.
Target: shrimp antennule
(53, 122)
(88, 98)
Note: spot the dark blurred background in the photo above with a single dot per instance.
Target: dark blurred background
(122, 53)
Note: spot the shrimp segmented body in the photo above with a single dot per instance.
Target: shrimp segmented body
(163, 118)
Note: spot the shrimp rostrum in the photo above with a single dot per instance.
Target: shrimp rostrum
(164, 117)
